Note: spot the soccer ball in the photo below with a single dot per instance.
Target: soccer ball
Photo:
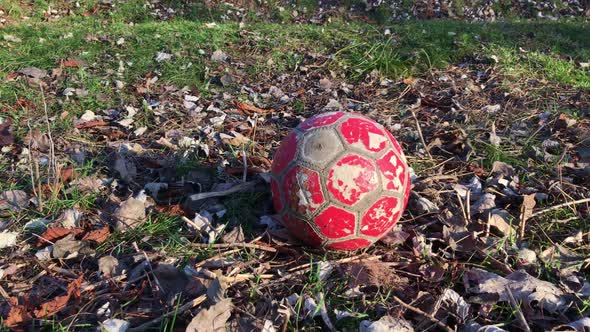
(340, 181)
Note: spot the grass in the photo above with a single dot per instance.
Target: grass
(358, 49)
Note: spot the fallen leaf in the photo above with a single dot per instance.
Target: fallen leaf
(70, 218)
(423, 205)
(581, 325)
(15, 200)
(8, 239)
(109, 266)
(6, 136)
(212, 319)
(99, 236)
(236, 235)
(52, 307)
(533, 292)
(163, 56)
(33, 72)
(455, 303)
(558, 255)
(68, 248)
(55, 233)
(18, 314)
(500, 220)
(114, 325)
(486, 202)
(386, 324)
(219, 56)
(72, 63)
(250, 108)
(130, 214)
(92, 124)
(526, 209)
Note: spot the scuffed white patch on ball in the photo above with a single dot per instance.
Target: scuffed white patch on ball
(305, 196)
(345, 179)
(375, 140)
(394, 178)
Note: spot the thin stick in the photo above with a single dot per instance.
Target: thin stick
(147, 259)
(237, 188)
(180, 311)
(324, 313)
(245, 161)
(559, 206)
(52, 161)
(525, 326)
(422, 313)
(233, 245)
(31, 165)
(421, 136)
(339, 261)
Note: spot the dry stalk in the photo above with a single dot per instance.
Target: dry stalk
(52, 173)
(179, 311)
(424, 314)
(559, 206)
(421, 135)
(516, 308)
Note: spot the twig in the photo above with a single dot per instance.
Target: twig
(52, 161)
(324, 313)
(40, 205)
(559, 206)
(516, 307)
(422, 313)
(147, 259)
(421, 136)
(339, 261)
(178, 311)
(245, 161)
(235, 189)
(233, 245)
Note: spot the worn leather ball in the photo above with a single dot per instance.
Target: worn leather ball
(340, 181)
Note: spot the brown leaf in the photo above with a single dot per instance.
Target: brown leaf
(6, 136)
(59, 302)
(67, 174)
(72, 63)
(56, 233)
(18, 313)
(99, 236)
(91, 124)
(526, 211)
(212, 319)
(250, 108)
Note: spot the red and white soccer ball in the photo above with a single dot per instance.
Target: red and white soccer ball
(340, 180)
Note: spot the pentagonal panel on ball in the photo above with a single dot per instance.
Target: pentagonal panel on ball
(284, 154)
(393, 170)
(363, 134)
(320, 147)
(320, 120)
(352, 178)
(352, 244)
(301, 230)
(302, 190)
(335, 223)
(381, 216)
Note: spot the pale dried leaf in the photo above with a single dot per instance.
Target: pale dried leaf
(130, 214)
(212, 319)
(8, 239)
(386, 324)
(531, 291)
